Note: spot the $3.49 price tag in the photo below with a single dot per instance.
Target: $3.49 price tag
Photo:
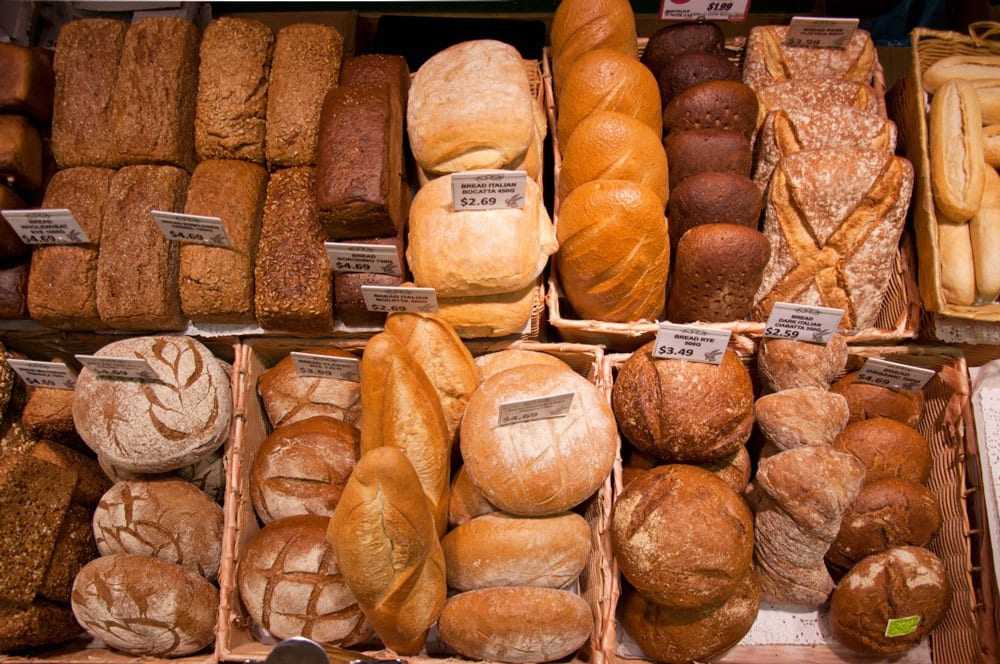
(55, 375)
(396, 299)
(488, 190)
(802, 322)
(810, 32)
(691, 342)
(712, 10)
(57, 226)
(327, 366)
(192, 228)
(371, 258)
(124, 368)
(894, 375)
(531, 410)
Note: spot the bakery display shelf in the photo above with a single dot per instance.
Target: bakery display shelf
(235, 641)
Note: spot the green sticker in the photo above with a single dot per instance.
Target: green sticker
(901, 626)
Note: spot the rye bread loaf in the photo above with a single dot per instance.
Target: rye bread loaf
(690, 69)
(91, 482)
(888, 449)
(26, 82)
(677, 39)
(465, 500)
(14, 292)
(770, 60)
(712, 198)
(289, 397)
(728, 105)
(39, 624)
(74, 548)
(784, 364)
(801, 416)
(11, 247)
(706, 150)
(734, 469)
(867, 401)
(20, 154)
(377, 69)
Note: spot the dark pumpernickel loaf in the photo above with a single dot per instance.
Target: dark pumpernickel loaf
(675, 40)
(14, 292)
(712, 198)
(700, 150)
(350, 305)
(690, 69)
(11, 246)
(729, 105)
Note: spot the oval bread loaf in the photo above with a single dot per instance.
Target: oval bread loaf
(581, 26)
(961, 67)
(672, 41)
(494, 363)
(867, 401)
(984, 229)
(784, 363)
(801, 416)
(956, 151)
(729, 105)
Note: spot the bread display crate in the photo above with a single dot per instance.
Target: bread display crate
(968, 632)
(235, 641)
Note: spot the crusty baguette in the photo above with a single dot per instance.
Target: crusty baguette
(984, 230)
(988, 93)
(958, 277)
(957, 165)
(961, 67)
(991, 145)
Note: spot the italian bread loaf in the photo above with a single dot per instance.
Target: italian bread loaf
(962, 68)
(958, 265)
(784, 364)
(991, 145)
(579, 26)
(289, 397)
(712, 198)
(20, 153)
(984, 234)
(465, 500)
(956, 151)
(482, 316)
(770, 60)
(27, 82)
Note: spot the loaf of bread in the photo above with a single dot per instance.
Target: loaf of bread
(349, 303)
(289, 397)
(960, 67)
(734, 469)
(73, 549)
(711, 198)
(26, 86)
(801, 416)
(491, 364)
(39, 624)
(728, 105)
(991, 145)
(20, 153)
(48, 414)
(690, 69)
(376, 70)
(306, 65)
(482, 316)
(984, 234)
(582, 26)
(91, 482)
(706, 150)
(14, 292)
(785, 363)
(958, 170)
(677, 39)
(867, 401)
(957, 263)
(770, 60)
(386, 541)
(887, 448)
(11, 247)
(818, 94)
(466, 501)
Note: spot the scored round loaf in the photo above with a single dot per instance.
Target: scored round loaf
(302, 468)
(289, 397)
(717, 271)
(734, 470)
(690, 69)
(502, 550)
(706, 150)
(868, 401)
(167, 519)
(208, 474)
(581, 26)
(785, 363)
(682, 411)
(145, 606)
(712, 198)
(682, 537)
(902, 582)
(520, 624)
(545, 466)
(729, 105)
(494, 363)
(801, 416)
(888, 449)
(675, 40)
(465, 500)
(157, 425)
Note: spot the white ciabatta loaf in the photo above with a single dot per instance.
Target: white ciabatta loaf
(493, 363)
(500, 315)
(145, 606)
(470, 107)
(167, 519)
(477, 252)
(157, 425)
(545, 466)
(289, 397)
(769, 60)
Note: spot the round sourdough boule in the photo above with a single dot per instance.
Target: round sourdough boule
(734, 470)
(545, 466)
(676, 636)
(503, 550)
(302, 468)
(518, 624)
(683, 411)
(690, 69)
(887, 513)
(888, 449)
(866, 401)
(167, 519)
(900, 583)
(712, 198)
(208, 473)
(494, 363)
(466, 501)
(290, 584)
(785, 364)
(157, 425)
(682, 537)
(145, 606)
(801, 416)
(289, 397)
(729, 105)
(696, 151)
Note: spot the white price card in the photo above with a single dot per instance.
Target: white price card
(691, 10)
(372, 258)
(192, 228)
(125, 368)
(46, 226)
(809, 32)
(803, 322)
(894, 375)
(691, 342)
(311, 365)
(55, 375)
(488, 190)
(394, 299)
(530, 410)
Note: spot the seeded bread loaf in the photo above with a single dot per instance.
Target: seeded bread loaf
(48, 414)
(40, 624)
(91, 482)
(376, 70)
(728, 105)
(25, 82)
(73, 549)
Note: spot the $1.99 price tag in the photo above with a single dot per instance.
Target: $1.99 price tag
(55, 375)
(124, 368)
(396, 299)
(531, 410)
(894, 375)
(712, 10)
(691, 342)
(46, 226)
(810, 32)
(488, 190)
(803, 323)
(192, 228)
(371, 258)
(327, 366)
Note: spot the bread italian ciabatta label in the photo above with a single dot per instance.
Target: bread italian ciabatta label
(192, 228)
(693, 10)
(371, 258)
(897, 627)
(812, 32)
(894, 375)
(488, 190)
(123, 368)
(395, 299)
(55, 375)
(530, 410)
(802, 322)
(46, 226)
(326, 366)
(691, 342)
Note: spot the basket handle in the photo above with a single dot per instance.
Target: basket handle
(985, 34)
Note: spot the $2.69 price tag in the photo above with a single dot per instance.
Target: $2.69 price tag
(396, 299)
(57, 226)
(371, 258)
(125, 368)
(488, 190)
(691, 342)
(802, 322)
(894, 375)
(55, 375)
(192, 228)
(811, 32)
(531, 410)
(327, 366)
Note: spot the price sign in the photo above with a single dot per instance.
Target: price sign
(124, 368)
(46, 226)
(691, 342)
(55, 375)
(394, 299)
(693, 10)
(897, 627)
(488, 190)
(809, 32)
(373, 258)
(192, 228)
(310, 365)
(803, 323)
(894, 375)
(530, 410)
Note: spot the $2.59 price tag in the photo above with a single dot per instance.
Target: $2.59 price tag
(57, 226)
(125, 368)
(713, 10)
(371, 258)
(894, 375)
(326, 366)
(810, 32)
(395, 299)
(55, 375)
(691, 342)
(488, 190)
(192, 228)
(531, 410)
(802, 322)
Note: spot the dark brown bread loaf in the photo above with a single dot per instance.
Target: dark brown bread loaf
(48, 414)
(11, 246)
(350, 305)
(729, 105)
(734, 470)
(690, 69)
(887, 448)
(712, 198)
(20, 154)
(784, 363)
(25, 82)
(73, 549)
(14, 292)
(40, 624)
(700, 150)
(377, 69)
(91, 481)
(867, 401)
(675, 40)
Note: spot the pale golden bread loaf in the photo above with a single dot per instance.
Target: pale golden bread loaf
(493, 363)
(988, 94)
(956, 151)
(984, 229)
(960, 67)
(480, 316)
(958, 269)
(991, 145)
(579, 26)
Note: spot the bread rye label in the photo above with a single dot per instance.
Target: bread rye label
(309, 365)
(691, 342)
(57, 226)
(897, 627)
(488, 190)
(192, 228)
(122, 368)
(54, 375)
(396, 299)
(531, 410)
(812, 32)
(693, 10)
(894, 375)
(801, 322)
(370, 258)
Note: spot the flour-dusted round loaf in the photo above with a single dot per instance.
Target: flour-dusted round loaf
(801, 416)
(207, 474)
(784, 364)
(869, 401)
(289, 397)
(157, 425)
(545, 466)
(494, 363)
(887, 448)
(145, 606)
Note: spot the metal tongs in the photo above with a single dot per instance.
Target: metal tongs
(300, 650)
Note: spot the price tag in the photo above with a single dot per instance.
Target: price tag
(803, 323)
(809, 32)
(530, 410)
(44, 374)
(691, 342)
(310, 365)
(118, 367)
(488, 190)
(192, 228)
(691, 10)
(46, 226)
(394, 299)
(373, 258)
(894, 375)
(897, 627)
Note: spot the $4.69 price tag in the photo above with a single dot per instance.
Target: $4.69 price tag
(192, 228)
(488, 190)
(530, 410)
(395, 299)
(691, 342)
(810, 32)
(371, 258)
(55, 375)
(124, 368)
(803, 323)
(712, 10)
(894, 375)
(312, 365)
(46, 226)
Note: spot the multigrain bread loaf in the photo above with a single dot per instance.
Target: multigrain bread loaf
(25, 82)
(887, 448)
(91, 483)
(74, 548)
(137, 266)
(672, 41)
(289, 397)
(62, 286)
(785, 363)
(20, 154)
(726, 105)
(958, 171)
(216, 283)
(152, 113)
(690, 69)
(801, 416)
(349, 303)
(235, 63)
(306, 65)
(482, 316)
(39, 624)
(867, 401)
(86, 68)
(14, 292)
(702, 150)
(581, 26)
(712, 198)
(292, 276)
(770, 60)
(11, 246)
(465, 500)
(378, 69)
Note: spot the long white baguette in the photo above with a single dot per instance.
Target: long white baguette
(963, 67)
